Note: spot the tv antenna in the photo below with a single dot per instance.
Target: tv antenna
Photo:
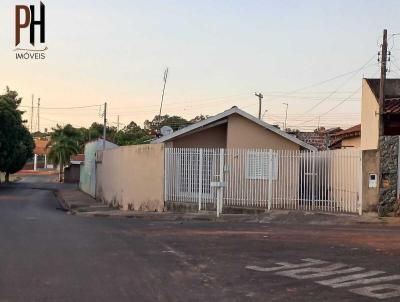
(163, 92)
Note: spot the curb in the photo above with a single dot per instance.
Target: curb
(61, 201)
(279, 219)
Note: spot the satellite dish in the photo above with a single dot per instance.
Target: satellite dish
(166, 130)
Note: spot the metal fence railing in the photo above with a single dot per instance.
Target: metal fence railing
(281, 179)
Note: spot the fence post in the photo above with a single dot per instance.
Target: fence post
(166, 172)
(270, 161)
(220, 192)
(313, 180)
(360, 181)
(200, 176)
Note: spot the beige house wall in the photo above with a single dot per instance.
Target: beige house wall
(242, 133)
(132, 177)
(369, 118)
(214, 137)
(351, 142)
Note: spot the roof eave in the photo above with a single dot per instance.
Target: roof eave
(243, 114)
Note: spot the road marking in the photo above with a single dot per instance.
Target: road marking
(316, 272)
(312, 269)
(287, 265)
(358, 279)
(390, 291)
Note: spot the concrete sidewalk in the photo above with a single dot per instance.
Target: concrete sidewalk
(80, 203)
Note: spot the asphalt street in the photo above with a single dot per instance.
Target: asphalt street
(48, 255)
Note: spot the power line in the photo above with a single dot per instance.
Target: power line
(325, 81)
(64, 108)
(340, 86)
(333, 108)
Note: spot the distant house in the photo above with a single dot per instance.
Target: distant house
(72, 172)
(370, 111)
(321, 138)
(349, 138)
(87, 182)
(41, 152)
(233, 128)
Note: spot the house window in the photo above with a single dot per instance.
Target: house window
(257, 165)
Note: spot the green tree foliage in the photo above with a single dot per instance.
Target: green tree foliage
(16, 143)
(65, 142)
(132, 134)
(96, 131)
(175, 122)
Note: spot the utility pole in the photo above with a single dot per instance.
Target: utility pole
(38, 115)
(32, 114)
(163, 92)
(382, 82)
(287, 107)
(260, 97)
(117, 123)
(105, 126)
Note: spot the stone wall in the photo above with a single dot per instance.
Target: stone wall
(389, 155)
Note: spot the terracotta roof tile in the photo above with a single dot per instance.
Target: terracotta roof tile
(40, 147)
(353, 130)
(392, 106)
(78, 157)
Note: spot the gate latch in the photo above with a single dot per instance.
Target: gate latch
(218, 184)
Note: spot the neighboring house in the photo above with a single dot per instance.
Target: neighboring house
(233, 128)
(321, 138)
(87, 182)
(370, 111)
(40, 152)
(380, 161)
(349, 138)
(72, 172)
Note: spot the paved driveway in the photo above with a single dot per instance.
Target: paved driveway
(47, 255)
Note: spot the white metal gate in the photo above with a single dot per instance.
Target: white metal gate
(271, 179)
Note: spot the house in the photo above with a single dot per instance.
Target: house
(348, 138)
(321, 138)
(370, 111)
(230, 161)
(87, 179)
(381, 181)
(40, 152)
(233, 128)
(72, 172)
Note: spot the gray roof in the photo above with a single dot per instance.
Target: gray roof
(234, 110)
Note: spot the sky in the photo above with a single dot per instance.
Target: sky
(219, 53)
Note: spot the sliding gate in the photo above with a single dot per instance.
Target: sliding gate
(270, 179)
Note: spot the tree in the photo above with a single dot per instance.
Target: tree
(96, 131)
(132, 134)
(74, 134)
(62, 147)
(175, 122)
(16, 143)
